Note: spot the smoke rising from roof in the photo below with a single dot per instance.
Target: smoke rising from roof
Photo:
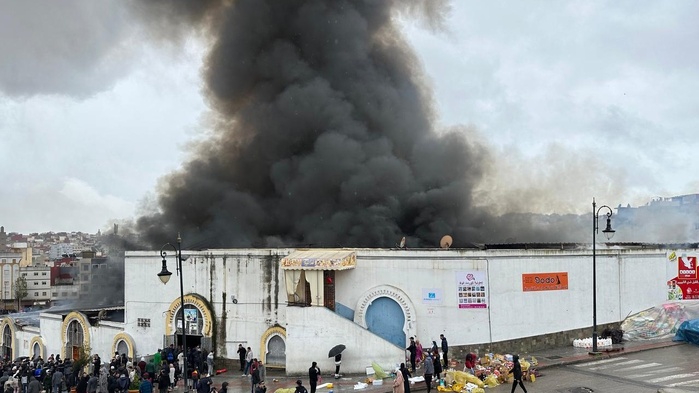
(323, 134)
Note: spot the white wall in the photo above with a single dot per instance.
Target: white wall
(628, 281)
(251, 275)
(313, 331)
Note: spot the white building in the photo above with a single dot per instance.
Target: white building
(38, 279)
(56, 251)
(292, 306)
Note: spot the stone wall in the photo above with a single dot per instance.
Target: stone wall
(526, 345)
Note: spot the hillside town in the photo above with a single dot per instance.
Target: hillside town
(38, 270)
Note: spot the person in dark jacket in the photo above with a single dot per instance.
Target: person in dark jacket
(81, 386)
(241, 356)
(437, 365)
(412, 348)
(204, 385)
(313, 374)
(517, 372)
(445, 350)
(406, 374)
(34, 385)
(164, 382)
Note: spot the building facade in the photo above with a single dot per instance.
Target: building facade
(292, 305)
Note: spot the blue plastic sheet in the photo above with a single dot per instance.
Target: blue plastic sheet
(688, 331)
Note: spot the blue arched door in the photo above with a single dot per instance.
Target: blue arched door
(385, 318)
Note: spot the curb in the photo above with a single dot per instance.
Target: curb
(587, 357)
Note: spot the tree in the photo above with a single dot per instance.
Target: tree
(20, 291)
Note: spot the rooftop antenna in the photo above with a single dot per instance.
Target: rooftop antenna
(446, 242)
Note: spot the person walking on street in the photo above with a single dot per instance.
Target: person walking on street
(146, 385)
(313, 375)
(517, 372)
(445, 351)
(429, 371)
(412, 348)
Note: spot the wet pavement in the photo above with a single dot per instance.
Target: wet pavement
(276, 379)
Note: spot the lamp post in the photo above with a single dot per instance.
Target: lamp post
(164, 276)
(609, 233)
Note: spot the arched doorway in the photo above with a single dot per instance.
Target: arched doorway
(7, 342)
(384, 317)
(36, 351)
(198, 323)
(75, 339)
(273, 347)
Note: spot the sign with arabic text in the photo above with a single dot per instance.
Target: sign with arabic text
(471, 289)
(544, 281)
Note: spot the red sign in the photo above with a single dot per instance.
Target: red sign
(687, 267)
(544, 281)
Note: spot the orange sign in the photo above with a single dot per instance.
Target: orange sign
(544, 281)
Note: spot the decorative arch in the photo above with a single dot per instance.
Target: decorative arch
(8, 322)
(38, 340)
(126, 338)
(194, 300)
(391, 292)
(267, 336)
(82, 320)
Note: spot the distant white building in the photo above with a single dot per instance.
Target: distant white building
(56, 251)
(9, 272)
(38, 279)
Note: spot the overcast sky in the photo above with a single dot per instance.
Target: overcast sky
(575, 100)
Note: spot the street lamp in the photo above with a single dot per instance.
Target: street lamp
(608, 233)
(164, 276)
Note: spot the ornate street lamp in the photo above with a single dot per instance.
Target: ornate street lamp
(608, 233)
(164, 276)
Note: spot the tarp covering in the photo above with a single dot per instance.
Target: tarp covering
(320, 259)
(661, 321)
(688, 331)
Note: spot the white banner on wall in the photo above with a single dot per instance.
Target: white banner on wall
(432, 295)
(471, 289)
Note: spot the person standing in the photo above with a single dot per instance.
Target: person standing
(517, 372)
(241, 356)
(419, 353)
(406, 377)
(210, 362)
(398, 384)
(248, 361)
(57, 380)
(437, 365)
(313, 374)
(412, 348)
(338, 362)
(254, 375)
(163, 382)
(445, 351)
(429, 371)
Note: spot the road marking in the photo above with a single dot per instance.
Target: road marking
(671, 377)
(600, 362)
(650, 373)
(612, 365)
(640, 366)
(692, 382)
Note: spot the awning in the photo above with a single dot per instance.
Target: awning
(320, 259)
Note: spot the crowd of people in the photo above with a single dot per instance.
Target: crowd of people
(118, 375)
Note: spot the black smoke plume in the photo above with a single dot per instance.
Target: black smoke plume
(324, 133)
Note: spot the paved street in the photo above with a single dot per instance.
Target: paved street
(639, 372)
